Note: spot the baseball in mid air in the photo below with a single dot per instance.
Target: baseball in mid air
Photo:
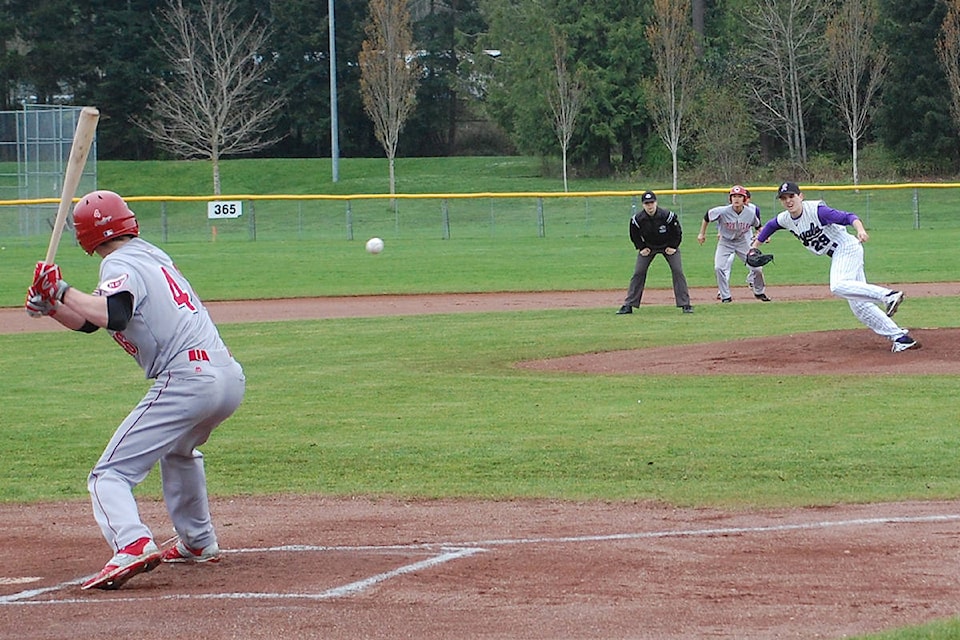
(374, 245)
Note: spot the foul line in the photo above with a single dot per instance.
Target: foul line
(721, 531)
(449, 551)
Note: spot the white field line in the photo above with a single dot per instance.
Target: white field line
(19, 580)
(336, 592)
(449, 551)
(720, 531)
(18, 598)
(676, 533)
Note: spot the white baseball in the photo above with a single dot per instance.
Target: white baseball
(374, 245)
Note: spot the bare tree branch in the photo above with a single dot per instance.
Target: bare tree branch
(389, 74)
(565, 97)
(725, 131)
(948, 52)
(671, 92)
(856, 66)
(783, 65)
(213, 105)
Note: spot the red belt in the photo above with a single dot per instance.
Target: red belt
(196, 355)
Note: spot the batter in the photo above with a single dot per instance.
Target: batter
(152, 312)
(823, 231)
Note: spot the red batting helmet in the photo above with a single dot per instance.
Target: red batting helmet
(102, 216)
(737, 190)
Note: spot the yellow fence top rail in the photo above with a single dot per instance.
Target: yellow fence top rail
(518, 194)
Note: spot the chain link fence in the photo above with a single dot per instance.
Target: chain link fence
(34, 149)
(172, 219)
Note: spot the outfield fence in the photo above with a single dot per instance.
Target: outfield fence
(170, 219)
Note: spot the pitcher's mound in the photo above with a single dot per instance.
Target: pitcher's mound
(858, 351)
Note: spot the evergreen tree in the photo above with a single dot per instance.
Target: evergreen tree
(440, 30)
(119, 69)
(913, 119)
(605, 37)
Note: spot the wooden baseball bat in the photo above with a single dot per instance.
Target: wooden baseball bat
(79, 149)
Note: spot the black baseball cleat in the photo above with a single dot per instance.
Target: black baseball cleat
(624, 310)
(687, 309)
(726, 300)
(762, 297)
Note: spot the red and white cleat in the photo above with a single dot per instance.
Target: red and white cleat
(138, 557)
(184, 554)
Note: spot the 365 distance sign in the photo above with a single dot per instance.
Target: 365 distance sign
(217, 209)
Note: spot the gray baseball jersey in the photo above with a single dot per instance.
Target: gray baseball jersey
(733, 225)
(736, 233)
(168, 317)
(197, 386)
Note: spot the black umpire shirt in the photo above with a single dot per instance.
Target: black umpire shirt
(656, 232)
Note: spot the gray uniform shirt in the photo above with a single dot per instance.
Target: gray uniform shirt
(732, 225)
(168, 317)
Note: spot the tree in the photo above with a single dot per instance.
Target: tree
(11, 60)
(913, 119)
(444, 31)
(948, 52)
(565, 98)
(213, 104)
(783, 65)
(602, 37)
(299, 43)
(699, 13)
(49, 46)
(724, 132)
(856, 66)
(671, 91)
(511, 83)
(389, 74)
(118, 74)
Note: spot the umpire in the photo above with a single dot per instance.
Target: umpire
(653, 231)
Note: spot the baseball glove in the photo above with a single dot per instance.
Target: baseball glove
(756, 258)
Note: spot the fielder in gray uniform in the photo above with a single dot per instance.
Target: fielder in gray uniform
(823, 231)
(735, 224)
(152, 312)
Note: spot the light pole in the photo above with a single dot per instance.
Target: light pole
(334, 123)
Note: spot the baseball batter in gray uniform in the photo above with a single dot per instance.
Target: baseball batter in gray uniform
(735, 223)
(152, 312)
(823, 231)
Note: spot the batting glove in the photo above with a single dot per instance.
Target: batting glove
(48, 282)
(37, 307)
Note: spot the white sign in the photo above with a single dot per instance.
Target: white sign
(224, 209)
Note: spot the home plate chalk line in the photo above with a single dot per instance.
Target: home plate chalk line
(19, 580)
(439, 553)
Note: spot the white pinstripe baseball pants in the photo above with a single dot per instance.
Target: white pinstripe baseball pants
(848, 281)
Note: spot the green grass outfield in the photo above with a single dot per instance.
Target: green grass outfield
(432, 406)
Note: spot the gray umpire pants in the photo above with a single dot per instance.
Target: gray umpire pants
(639, 279)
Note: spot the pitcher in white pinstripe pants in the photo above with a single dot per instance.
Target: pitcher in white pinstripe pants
(823, 231)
